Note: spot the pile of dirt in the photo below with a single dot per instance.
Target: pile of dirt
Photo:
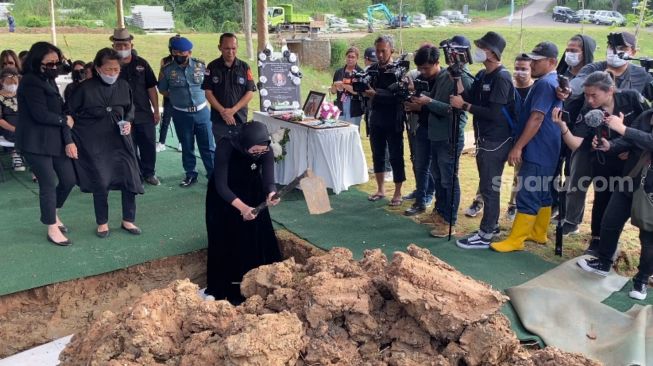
(332, 310)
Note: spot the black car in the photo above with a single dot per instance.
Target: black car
(564, 14)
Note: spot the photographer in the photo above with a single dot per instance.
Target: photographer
(601, 94)
(537, 149)
(386, 121)
(427, 60)
(492, 102)
(440, 133)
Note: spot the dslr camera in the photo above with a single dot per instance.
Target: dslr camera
(456, 57)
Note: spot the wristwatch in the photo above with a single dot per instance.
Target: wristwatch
(466, 107)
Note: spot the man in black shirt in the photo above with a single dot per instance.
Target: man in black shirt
(142, 81)
(492, 102)
(229, 86)
(386, 122)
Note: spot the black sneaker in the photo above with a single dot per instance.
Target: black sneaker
(475, 241)
(474, 209)
(569, 229)
(409, 196)
(593, 248)
(188, 181)
(496, 231)
(152, 180)
(414, 210)
(594, 265)
(638, 292)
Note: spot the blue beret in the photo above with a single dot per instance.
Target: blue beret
(181, 44)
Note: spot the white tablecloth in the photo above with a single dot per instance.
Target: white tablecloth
(334, 154)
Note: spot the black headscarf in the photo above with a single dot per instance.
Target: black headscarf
(251, 134)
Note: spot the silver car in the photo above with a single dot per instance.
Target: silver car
(609, 17)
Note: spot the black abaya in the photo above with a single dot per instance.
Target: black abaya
(237, 246)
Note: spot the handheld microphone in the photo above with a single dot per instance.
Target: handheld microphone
(594, 119)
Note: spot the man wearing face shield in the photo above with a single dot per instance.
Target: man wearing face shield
(140, 76)
(492, 102)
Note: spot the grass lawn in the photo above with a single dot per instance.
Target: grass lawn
(153, 47)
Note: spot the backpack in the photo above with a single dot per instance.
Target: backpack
(513, 108)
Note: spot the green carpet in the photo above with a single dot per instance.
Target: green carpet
(358, 224)
(172, 220)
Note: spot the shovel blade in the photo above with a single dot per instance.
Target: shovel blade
(315, 194)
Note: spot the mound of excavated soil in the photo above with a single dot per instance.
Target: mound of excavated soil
(332, 310)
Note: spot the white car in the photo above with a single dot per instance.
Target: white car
(609, 17)
(586, 15)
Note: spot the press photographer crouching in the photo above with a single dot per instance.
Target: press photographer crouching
(602, 102)
(386, 120)
(446, 128)
(427, 60)
(492, 102)
(635, 201)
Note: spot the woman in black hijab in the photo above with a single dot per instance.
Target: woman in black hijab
(239, 240)
(103, 111)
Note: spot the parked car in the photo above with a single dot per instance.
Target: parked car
(586, 15)
(566, 15)
(440, 21)
(609, 17)
(455, 16)
(557, 10)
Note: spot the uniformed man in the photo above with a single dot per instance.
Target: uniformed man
(140, 76)
(229, 86)
(166, 117)
(181, 81)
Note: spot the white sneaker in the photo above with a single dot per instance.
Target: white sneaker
(179, 147)
(160, 147)
(17, 163)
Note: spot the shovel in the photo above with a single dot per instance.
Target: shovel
(314, 191)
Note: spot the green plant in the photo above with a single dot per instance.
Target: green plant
(338, 52)
(35, 22)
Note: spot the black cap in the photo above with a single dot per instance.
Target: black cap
(370, 54)
(492, 41)
(460, 41)
(543, 50)
(629, 39)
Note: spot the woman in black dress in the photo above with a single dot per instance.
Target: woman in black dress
(43, 135)
(104, 111)
(239, 240)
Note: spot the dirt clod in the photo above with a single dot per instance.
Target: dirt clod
(331, 310)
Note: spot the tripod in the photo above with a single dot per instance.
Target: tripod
(455, 140)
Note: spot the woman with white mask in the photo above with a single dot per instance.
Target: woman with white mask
(9, 78)
(104, 111)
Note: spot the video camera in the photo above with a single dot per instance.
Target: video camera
(362, 80)
(456, 56)
(616, 40)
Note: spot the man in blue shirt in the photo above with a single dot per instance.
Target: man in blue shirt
(537, 149)
(181, 81)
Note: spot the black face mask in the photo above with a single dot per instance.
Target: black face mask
(51, 73)
(77, 75)
(181, 59)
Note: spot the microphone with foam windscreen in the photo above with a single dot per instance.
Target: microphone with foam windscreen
(594, 119)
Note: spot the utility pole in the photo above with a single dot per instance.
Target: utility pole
(262, 23)
(120, 21)
(248, 28)
(53, 28)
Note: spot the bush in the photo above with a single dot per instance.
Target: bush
(338, 52)
(35, 22)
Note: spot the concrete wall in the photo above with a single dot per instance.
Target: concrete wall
(312, 52)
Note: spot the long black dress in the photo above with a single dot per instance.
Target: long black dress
(237, 246)
(107, 159)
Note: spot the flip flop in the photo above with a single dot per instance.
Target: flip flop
(396, 202)
(375, 197)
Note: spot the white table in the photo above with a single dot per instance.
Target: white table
(334, 154)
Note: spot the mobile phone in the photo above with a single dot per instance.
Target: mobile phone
(563, 82)
(566, 118)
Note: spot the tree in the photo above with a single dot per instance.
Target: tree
(432, 7)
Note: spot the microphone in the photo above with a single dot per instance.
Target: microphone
(594, 119)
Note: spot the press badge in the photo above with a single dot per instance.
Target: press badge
(486, 87)
(241, 80)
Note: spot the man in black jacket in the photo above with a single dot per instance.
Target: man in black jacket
(138, 73)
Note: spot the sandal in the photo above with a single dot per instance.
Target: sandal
(396, 202)
(375, 197)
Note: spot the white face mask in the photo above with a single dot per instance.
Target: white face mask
(521, 74)
(108, 79)
(124, 53)
(11, 88)
(479, 55)
(614, 60)
(572, 58)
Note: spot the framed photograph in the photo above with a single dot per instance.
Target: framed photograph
(312, 104)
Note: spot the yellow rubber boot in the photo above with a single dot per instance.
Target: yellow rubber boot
(541, 226)
(521, 228)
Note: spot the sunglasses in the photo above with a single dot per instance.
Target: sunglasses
(52, 65)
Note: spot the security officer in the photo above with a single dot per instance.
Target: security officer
(229, 86)
(181, 81)
(166, 117)
(142, 81)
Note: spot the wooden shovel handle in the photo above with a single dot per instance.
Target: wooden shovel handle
(282, 192)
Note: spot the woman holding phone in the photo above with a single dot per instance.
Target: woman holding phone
(103, 111)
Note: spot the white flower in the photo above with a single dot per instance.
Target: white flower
(277, 150)
(278, 135)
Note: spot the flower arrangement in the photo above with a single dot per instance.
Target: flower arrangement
(329, 111)
(278, 144)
